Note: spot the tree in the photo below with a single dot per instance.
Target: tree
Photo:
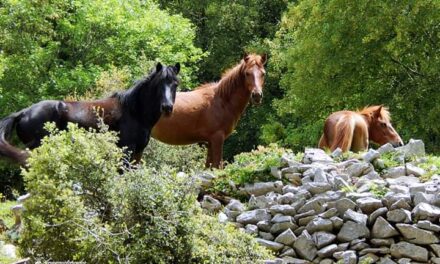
(340, 54)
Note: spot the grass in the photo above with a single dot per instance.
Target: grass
(431, 166)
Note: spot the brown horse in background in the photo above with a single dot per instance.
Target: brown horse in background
(211, 112)
(350, 130)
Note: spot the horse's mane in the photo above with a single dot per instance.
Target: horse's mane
(230, 78)
(384, 112)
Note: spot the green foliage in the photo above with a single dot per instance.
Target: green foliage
(431, 165)
(68, 179)
(54, 49)
(378, 191)
(180, 158)
(217, 243)
(248, 167)
(340, 54)
(6, 213)
(83, 209)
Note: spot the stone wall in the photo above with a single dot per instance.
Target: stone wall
(328, 209)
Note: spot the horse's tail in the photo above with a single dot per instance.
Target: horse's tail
(323, 141)
(344, 133)
(7, 150)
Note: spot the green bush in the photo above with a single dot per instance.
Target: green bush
(248, 167)
(83, 209)
(181, 158)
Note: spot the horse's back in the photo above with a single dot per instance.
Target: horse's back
(344, 129)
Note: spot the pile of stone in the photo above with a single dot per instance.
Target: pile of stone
(324, 210)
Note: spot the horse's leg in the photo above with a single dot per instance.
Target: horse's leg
(209, 156)
(217, 150)
(360, 138)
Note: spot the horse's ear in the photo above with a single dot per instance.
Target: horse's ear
(176, 68)
(377, 113)
(245, 56)
(264, 58)
(159, 67)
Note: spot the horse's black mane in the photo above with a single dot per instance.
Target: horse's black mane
(129, 97)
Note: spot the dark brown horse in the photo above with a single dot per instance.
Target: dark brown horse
(350, 130)
(132, 113)
(211, 112)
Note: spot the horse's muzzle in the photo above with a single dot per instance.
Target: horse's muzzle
(166, 109)
(256, 98)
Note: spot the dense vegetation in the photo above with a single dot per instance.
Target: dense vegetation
(324, 56)
(83, 208)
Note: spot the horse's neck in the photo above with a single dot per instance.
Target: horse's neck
(143, 105)
(233, 92)
(367, 119)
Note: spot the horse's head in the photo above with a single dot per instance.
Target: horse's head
(253, 68)
(381, 131)
(166, 82)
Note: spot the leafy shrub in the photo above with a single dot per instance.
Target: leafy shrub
(248, 167)
(218, 243)
(181, 158)
(83, 209)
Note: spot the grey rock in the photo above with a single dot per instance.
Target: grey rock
(404, 261)
(391, 197)
(266, 236)
(320, 176)
(23, 198)
(251, 229)
(275, 172)
(288, 252)
(355, 217)
(222, 217)
(280, 218)
(282, 209)
(371, 155)
(322, 239)
(329, 213)
(414, 170)
(404, 249)
(205, 179)
(414, 148)
(395, 172)
(305, 214)
(261, 188)
(264, 225)
(274, 246)
(312, 155)
(379, 251)
(261, 202)
(327, 251)
(386, 260)
(294, 178)
(387, 148)
(374, 215)
(421, 197)
(428, 226)
(436, 249)
(399, 189)
(342, 205)
(286, 238)
(417, 188)
(400, 204)
(416, 235)
(403, 180)
(305, 220)
(287, 198)
(280, 227)
(235, 205)
(305, 247)
(337, 222)
(369, 204)
(351, 230)
(317, 187)
(319, 224)
(399, 216)
(8, 251)
(337, 153)
(343, 246)
(383, 229)
(316, 204)
(253, 217)
(349, 257)
(210, 204)
(424, 211)
(382, 242)
(359, 169)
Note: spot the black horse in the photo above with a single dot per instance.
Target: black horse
(132, 113)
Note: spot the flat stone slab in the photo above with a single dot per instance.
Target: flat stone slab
(407, 250)
(416, 235)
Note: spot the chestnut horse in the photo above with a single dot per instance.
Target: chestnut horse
(211, 112)
(132, 113)
(350, 130)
